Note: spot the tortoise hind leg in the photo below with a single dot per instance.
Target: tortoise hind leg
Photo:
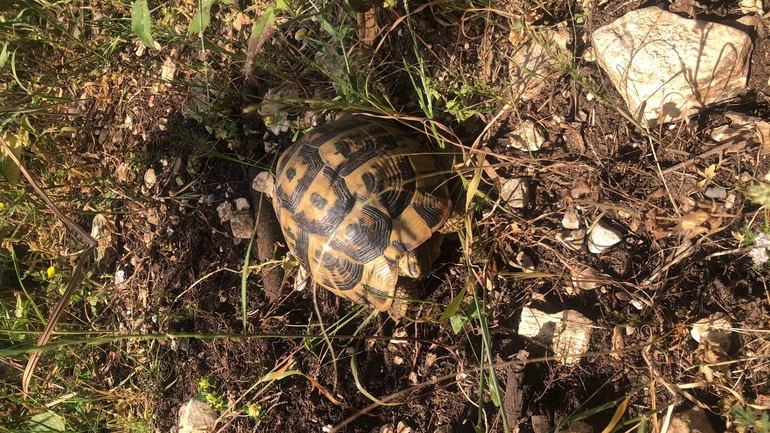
(400, 306)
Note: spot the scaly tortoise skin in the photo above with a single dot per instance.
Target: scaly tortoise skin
(358, 200)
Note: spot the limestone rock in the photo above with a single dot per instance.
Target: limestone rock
(667, 67)
(527, 136)
(538, 61)
(516, 192)
(568, 331)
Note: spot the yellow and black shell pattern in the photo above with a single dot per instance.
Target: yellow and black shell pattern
(352, 198)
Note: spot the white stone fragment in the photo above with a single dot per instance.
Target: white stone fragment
(119, 276)
(568, 331)
(195, 417)
(265, 183)
(168, 70)
(225, 211)
(715, 328)
(570, 220)
(515, 192)
(242, 203)
(150, 178)
(730, 201)
(527, 136)
(603, 236)
(401, 427)
(526, 263)
(587, 279)
(667, 67)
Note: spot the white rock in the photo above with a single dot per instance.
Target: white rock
(750, 6)
(603, 236)
(119, 276)
(715, 329)
(730, 201)
(668, 66)
(242, 203)
(587, 279)
(515, 192)
(150, 178)
(535, 62)
(570, 220)
(168, 70)
(195, 416)
(568, 331)
(526, 263)
(690, 421)
(527, 136)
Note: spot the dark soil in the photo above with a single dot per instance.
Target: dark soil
(173, 249)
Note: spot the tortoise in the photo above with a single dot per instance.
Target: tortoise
(358, 201)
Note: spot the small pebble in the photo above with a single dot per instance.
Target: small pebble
(515, 192)
(527, 136)
(715, 328)
(242, 204)
(716, 192)
(570, 220)
(149, 177)
(225, 211)
(602, 237)
(587, 279)
(242, 224)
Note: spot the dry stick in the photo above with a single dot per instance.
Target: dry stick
(59, 309)
(730, 142)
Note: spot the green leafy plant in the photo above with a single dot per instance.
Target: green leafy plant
(745, 417)
(141, 24)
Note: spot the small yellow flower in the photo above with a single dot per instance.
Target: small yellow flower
(51, 272)
(254, 410)
(1, 206)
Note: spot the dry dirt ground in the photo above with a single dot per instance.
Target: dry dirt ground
(172, 247)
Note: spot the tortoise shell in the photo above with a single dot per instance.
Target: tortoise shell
(355, 199)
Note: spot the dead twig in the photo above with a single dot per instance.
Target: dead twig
(730, 142)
